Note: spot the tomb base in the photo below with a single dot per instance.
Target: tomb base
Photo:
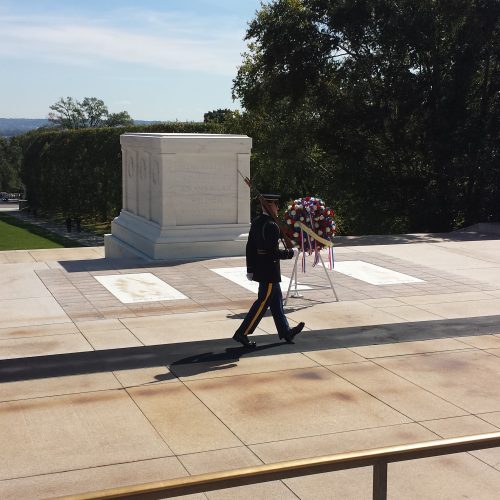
(135, 237)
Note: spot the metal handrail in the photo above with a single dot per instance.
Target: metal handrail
(378, 458)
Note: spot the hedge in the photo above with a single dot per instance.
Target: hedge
(77, 173)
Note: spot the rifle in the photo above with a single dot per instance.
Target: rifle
(287, 242)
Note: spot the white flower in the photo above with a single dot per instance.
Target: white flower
(316, 224)
(289, 207)
(327, 229)
(292, 212)
(288, 221)
(321, 217)
(296, 224)
(295, 235)
(320, 232)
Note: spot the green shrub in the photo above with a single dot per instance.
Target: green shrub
(77, 173)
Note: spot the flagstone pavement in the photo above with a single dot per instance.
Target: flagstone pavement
(97, 393)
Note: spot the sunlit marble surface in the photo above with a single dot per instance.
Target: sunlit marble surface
(375, 275)
(140, 287)
(238, 275)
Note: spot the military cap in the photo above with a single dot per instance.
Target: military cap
(271, 196)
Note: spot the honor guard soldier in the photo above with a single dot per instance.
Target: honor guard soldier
(263, 265)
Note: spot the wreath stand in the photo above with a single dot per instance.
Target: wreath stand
(293, 279)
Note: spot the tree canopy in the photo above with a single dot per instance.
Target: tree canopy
(89, 113)
(219, 115)
(389, 109)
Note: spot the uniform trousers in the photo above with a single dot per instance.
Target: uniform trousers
(269, 296)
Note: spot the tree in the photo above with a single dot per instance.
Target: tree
(95, 112)
(389, 108)
(121, 119)
(219, 115)
(67, 113)
(89, 113)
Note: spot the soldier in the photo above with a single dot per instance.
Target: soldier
(263, 265)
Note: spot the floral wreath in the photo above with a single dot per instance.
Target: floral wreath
(311, 226)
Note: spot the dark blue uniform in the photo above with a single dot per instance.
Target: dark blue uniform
(263, 257)
(263, 252)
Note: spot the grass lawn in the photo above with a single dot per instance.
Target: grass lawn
(18, 235)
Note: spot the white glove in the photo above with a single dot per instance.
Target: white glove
(249, 276)
(296, 251)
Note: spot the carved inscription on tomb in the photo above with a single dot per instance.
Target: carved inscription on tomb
(155, 191)
(144, 192)
(130, 201)
(204, 189)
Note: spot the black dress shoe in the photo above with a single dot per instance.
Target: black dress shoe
(243, 339)
(290, 335)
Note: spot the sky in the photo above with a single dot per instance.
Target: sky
(157, 59)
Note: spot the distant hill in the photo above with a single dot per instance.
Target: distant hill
(9, 127)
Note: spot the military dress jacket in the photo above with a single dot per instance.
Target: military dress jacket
(262, 251)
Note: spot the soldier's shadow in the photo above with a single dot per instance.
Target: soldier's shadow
(211, 362)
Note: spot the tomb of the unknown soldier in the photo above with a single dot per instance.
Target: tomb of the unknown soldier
(182, 197)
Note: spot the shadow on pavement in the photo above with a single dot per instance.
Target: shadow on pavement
(104, 264)
(210, 361)
(403, 239)
(214, 354)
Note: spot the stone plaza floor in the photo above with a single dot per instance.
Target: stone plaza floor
(108, 379)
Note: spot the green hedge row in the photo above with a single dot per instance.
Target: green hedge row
(77, 173)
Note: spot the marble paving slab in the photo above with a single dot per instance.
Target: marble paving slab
(139, 287)
(238, 275)
(463, 378)
(375, 275)
(181, 419)
(233, 458)
(92, 479)
(77, 431)
(263, 407)
(15, 313)
(56, 386)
